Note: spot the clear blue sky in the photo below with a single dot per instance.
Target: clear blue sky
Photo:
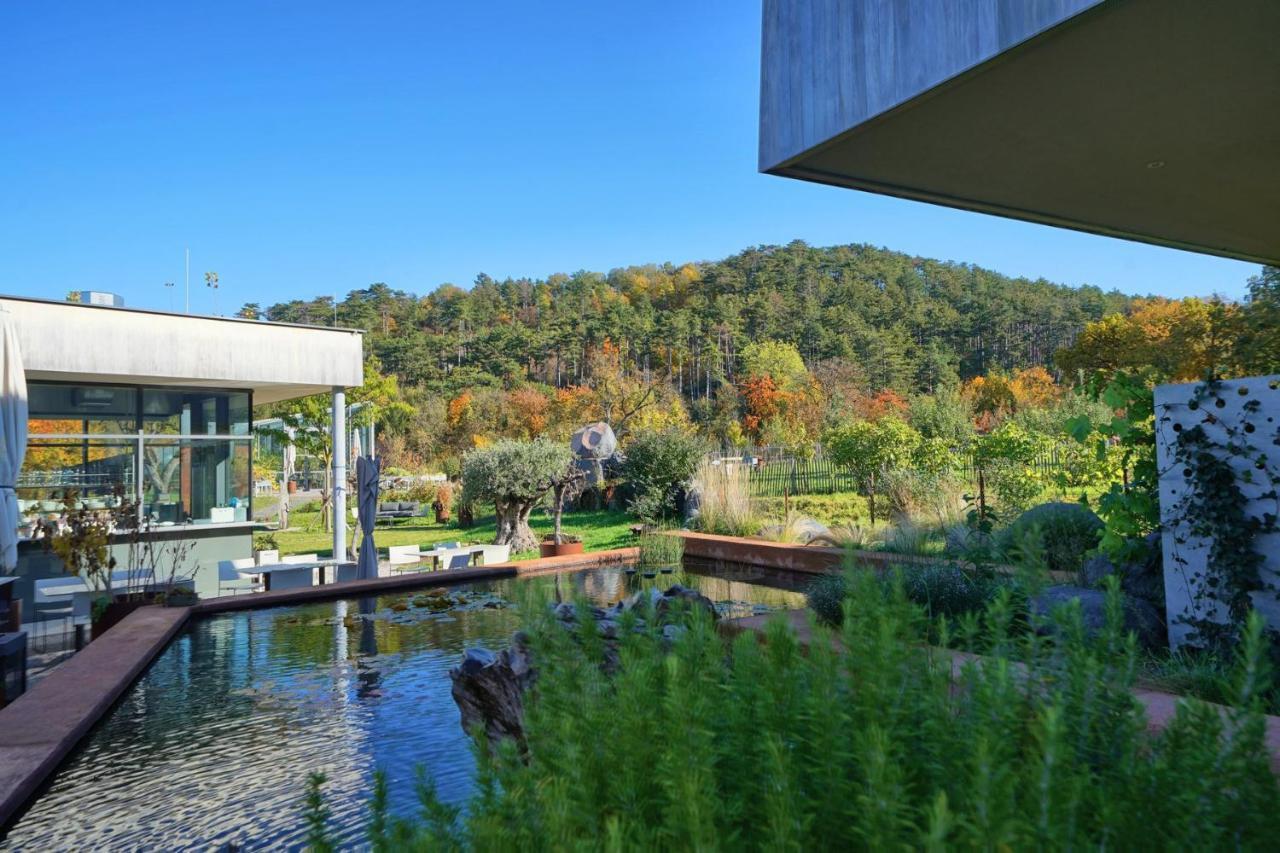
(304, 148)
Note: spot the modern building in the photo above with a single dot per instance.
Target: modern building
(154, 410)
(1154, 120)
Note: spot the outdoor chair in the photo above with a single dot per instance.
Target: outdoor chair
(457, 560)
(236, 576)
(491, 554)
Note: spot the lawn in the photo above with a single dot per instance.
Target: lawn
(600, 530)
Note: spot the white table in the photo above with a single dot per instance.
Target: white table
(296, 575)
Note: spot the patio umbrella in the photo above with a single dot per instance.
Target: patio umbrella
(13, 438)
(367, 469)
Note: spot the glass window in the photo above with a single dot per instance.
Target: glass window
(100, 472)
(81, 409)
(168, 412)
(201, 481)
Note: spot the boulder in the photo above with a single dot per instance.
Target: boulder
(1140, 616)
(1143, 578)
(489, 687)
(594, 441)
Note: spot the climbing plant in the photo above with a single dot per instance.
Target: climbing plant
(1228, 472)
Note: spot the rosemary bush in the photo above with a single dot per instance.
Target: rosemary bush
(696, 745)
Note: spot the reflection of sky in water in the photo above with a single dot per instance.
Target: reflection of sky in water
(215, 742)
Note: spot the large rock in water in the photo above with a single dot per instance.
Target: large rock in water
(1140, 616)
(489, 687)
(489, 690)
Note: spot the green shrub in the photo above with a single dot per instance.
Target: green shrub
(265, 542)
(944, 590)
(1059, 534)
(659, 464)
(692, 744)
(825, 597)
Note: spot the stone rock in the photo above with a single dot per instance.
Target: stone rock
(693, 600)
(489, 687)
(692, 504)
(1143, 578)
(594, 441)
(1140, 616)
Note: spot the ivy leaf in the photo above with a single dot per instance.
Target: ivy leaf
(1079, 427)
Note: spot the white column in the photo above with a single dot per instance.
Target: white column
(338, 433)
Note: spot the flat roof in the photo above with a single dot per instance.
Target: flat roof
(79, 342)
(1152, 120)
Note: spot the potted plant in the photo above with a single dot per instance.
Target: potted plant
(264, 542)
(565, 487)
(443, 503)
(569, 543)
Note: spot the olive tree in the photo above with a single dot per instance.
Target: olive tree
(515, 476)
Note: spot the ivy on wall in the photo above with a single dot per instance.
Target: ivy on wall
(1226, 458)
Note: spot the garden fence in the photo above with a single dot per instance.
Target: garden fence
(776, 471)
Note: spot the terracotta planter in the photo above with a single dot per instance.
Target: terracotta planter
(292, 486)
(442, 517)
(551, 549)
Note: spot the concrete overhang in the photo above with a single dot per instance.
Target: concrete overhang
(1153, 120)
(70, 342)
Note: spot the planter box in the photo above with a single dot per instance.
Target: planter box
(564, 549)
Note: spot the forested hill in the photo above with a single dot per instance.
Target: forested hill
(904, 322)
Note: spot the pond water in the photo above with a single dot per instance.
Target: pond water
(212, 747)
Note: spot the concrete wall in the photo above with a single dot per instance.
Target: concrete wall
(72, 342)
(1243, 414)
(828, 65)
(208, 546)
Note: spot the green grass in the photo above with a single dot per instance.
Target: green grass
(600, 530)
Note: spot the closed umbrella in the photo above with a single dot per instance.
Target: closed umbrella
(367, 469)
(13, 438)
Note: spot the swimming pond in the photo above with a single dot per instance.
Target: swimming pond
(213, 745)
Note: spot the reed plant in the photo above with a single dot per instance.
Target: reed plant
(724, 499)
(868, 743)
(660, 550)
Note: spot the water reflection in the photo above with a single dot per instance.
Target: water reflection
(213, 745)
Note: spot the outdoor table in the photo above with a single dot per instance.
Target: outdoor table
(291, 575)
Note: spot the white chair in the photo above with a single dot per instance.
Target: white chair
(455, 559)
(268, 558)
(232, 576)
(491, 554)
(405, 558)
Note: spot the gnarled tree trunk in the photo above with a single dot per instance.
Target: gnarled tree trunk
(513, 525)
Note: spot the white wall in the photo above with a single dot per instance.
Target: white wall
(74, 342)
(1224, 415)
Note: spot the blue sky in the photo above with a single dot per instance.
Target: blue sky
(304, 148)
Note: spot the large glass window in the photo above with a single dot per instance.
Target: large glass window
(182, 456)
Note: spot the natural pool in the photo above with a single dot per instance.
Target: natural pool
(214, 743)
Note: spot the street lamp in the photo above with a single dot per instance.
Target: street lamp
(211, 282)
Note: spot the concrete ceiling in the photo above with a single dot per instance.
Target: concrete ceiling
(1155, 120)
